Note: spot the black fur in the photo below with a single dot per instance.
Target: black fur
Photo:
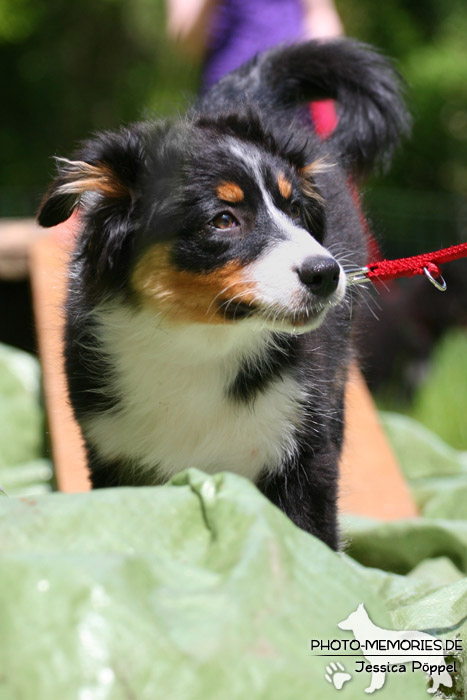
(254, 375)
(155, 183)
(372, 116)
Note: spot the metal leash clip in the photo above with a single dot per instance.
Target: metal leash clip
(358, 277)
(361, 277)
(439, 283)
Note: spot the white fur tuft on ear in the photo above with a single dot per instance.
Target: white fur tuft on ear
(78, 177)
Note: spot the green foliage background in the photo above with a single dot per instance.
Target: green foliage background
(71, 68)
(428, 40)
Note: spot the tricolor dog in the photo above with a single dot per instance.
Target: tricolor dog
(208, 322)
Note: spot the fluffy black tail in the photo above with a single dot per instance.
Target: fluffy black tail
(368, 90)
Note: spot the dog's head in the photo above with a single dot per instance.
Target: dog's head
(215, 219)
(207, 221)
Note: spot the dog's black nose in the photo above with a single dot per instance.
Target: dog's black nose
(320, 274)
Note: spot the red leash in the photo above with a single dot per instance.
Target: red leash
(325, 120)
(425, 264)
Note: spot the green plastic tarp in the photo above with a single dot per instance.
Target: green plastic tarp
(23, 468)
(199, 589)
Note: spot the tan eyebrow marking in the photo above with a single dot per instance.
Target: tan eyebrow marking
(230, 192)
(285, 187)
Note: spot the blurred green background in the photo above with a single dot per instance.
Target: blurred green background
(69, 69)
(72, 68)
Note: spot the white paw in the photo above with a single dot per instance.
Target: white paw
(337, 675)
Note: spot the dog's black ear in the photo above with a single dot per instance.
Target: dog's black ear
(76, 177)
(108, 165)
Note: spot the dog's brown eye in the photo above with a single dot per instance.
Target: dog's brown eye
(295, 210)
(224, 221)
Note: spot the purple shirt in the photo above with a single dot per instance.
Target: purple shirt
(242, 28)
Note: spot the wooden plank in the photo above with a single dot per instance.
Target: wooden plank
(48, 265)
(371, 482)
(16, 238)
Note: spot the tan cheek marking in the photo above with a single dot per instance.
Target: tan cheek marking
(285, 187)
(230, 192)
(182, 296)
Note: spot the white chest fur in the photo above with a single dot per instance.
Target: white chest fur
(174, 412)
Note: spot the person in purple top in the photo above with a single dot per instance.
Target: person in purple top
(242, 28)
(226, 33)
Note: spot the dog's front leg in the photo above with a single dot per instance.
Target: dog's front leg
(306, 491)
(107, 473)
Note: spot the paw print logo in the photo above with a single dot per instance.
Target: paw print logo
(337, 675)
